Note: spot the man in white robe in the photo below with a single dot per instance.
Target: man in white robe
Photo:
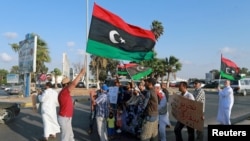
(226, 101)
(49, 100)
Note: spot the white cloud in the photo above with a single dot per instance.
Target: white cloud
(10, 35)
(81, 51)
(5, 57)
(227, 50)
(70, 44)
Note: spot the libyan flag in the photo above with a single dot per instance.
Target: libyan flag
(111, 37)
(135, 71)
(229, 69)
(122, 69)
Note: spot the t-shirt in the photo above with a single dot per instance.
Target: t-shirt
(111, 122)
(65, 103)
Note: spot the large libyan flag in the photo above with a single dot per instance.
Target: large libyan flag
(135, 71)
(111, 37)
(229, 69)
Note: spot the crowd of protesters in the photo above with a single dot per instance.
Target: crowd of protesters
(139, 110)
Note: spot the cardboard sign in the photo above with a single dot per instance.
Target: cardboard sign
(187, 111)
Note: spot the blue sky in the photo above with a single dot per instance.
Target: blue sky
(196, 32)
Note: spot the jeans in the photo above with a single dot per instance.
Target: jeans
(102, 128)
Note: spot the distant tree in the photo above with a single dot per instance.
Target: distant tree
(173, 65)
(112, 66)
(77, 67)
(56, 72)
(97, 64)
(3, 76)
(14, 69)
(244, 71)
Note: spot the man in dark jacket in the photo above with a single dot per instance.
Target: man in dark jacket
(150, 122)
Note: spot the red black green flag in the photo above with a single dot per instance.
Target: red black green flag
(122, 69)
(111, 37)
(229, 69)
(135, 71)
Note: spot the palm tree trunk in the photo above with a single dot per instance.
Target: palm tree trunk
(97, 77)
(168, 79)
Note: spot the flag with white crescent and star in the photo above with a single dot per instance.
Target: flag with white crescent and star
(229, 69)
(111, 37)
(138, 72)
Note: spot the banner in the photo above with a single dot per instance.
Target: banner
(188, 112)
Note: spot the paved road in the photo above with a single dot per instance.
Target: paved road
(28, 125)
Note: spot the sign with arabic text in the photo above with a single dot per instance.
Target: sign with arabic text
(187, 111)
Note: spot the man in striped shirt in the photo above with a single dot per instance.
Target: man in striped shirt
(199, 95)
(102, 112)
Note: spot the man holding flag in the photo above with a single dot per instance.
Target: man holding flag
(230, 71)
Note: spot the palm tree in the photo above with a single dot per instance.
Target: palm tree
(14, 69)
(97, 63)
(173, 65)
(112, 66)
(56, 72)
(42, 54)
(157, 29)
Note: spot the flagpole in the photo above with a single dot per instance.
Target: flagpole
(220, 70)
(86, 54)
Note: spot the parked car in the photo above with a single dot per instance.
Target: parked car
(8, 111)
(241, 86)
(92, 85)
(15, 90)
(80, 85)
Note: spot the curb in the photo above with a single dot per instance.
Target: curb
(26, 105)
(30, 105)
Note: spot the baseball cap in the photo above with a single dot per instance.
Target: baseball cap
(104, 87)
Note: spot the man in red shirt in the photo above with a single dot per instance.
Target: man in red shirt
(66, 106)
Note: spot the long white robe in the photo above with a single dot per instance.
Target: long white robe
(49, 100)
(226, 101)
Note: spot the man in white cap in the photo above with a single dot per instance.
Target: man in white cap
(66, 106)
(163, 109)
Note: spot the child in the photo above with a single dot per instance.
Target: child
(111, 126)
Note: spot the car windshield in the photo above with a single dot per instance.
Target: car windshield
(234, 82)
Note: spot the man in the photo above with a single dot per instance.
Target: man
(226, 101)
(179, 126)
(49, 100)
(199, 95)
(150, 122)
(166, 92)
(93, 96)
(102, 113)
(163, 108)
(66, 106)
